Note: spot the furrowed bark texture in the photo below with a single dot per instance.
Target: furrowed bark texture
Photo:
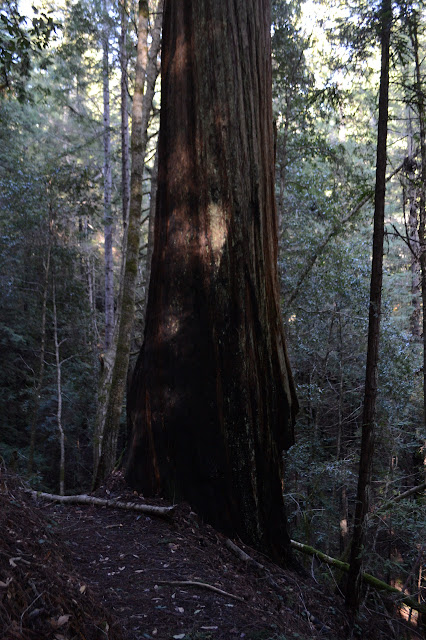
(370, 392)
(212, 399)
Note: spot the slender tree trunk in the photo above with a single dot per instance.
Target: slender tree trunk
(410, 197)
(212, 400)
(343, 496)
(421, 620)
(140, 120)
(125, 166)
(151, 228)
(370, 393)
(91, 289)
(125, 148)
(107, 358)
(421, 112)
(39, 385)
(59, 392)
(108, 223)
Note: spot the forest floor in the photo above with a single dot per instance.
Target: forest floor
(95, 573)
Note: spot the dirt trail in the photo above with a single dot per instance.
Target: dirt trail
(71, 572)
(129, 560)
(125, 558)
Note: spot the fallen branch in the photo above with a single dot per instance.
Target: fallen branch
(164, 512)
(402, 496)
(204, 585)
(366, 577)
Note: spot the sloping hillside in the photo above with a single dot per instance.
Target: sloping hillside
(89, 572)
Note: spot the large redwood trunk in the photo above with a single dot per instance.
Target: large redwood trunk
(212, 399)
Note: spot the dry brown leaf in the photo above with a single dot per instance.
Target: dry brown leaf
(60, 621)
(63, 620)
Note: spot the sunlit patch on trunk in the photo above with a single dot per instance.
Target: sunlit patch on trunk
(218, 231)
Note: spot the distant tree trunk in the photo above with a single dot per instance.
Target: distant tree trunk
(108, 432)
(108, 226)
(410, 197)
(125, 154)
(212, 399)
(39, 383)
(421, 112)
(91, 287)
(343, 496)
(370, 393)
(125, 163)
(59, 392)
(106, 358)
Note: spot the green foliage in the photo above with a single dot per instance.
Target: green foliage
(21, 41)
(326, 163)
(45, 192)
(51, 203)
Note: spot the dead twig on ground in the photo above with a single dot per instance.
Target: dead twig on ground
(203, 585)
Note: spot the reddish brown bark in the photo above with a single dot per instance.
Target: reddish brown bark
(212, 399)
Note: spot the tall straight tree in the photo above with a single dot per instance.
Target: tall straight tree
(124, 82)
(107, 170)
(419, 104)
(370, 392)
(39, 383)
(410, 198)
(108, 422)
(212, 400)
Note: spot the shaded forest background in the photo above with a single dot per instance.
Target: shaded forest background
(61, 202)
